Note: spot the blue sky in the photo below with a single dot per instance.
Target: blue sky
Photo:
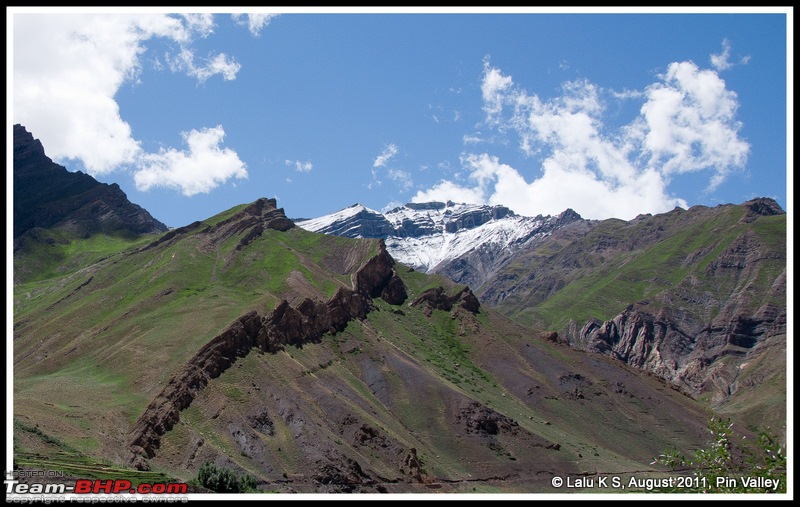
(611, 114)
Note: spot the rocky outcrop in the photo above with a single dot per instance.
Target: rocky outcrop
(285, 325)
(761, 206)
(482, 420)
(690, 359)
(47, 196)
(263, 212)
(250, 223)
(704, 289)
(437, 299)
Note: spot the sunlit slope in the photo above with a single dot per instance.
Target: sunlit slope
(99, 342)
(697, 297)
(485, 404)
(427, 393)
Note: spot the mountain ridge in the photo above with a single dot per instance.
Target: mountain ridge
(697, 297)
(466, 242)
(317, 363)
(421, 393)
(674, 294)
(73, 201)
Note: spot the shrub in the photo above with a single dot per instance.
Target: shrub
(224, 480)
(732, 459)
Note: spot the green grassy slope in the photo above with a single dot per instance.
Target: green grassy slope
(714, 274)
(619, 263)
(485, 403)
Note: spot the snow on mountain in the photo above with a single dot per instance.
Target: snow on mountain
(430, 236)
(357, 221)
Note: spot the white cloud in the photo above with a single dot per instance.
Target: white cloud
(493, 89)
(447, 190)
(201, 24)
(201, 169)
(627, 94)
(184, 61)
(722, 61)
(254, 22)
(68, 69)
(301, 167)
(388, 152)
(563, 185)
(686, 124)
(401, 178)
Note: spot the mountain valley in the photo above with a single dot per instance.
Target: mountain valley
(317, 363)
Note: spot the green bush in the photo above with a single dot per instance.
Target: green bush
(224, 480)
(732, 464)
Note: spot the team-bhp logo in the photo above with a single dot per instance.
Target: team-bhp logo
(52, 488)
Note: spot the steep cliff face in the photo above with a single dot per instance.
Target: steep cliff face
(286, 325)
(691, 359)
(46, 195)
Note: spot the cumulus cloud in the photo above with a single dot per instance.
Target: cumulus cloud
(686, 124)
(200, 169)
(254, 22)
(492, 182)
(68, 69)
(388, 152)
(301, 167)
(447, 190)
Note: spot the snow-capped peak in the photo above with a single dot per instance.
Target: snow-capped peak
(429, 235)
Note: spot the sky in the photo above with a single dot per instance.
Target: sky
(611, 113)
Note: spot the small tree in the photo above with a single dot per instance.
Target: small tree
(732, 458)
(224, 480)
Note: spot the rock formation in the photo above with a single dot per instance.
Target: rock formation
(286, 325)
(437, 299)
(46, 196)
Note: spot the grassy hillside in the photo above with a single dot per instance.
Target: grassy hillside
(712, 279)
(619, 263)
(407, 399)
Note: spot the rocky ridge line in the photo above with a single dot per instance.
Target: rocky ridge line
(285, 325)
(47, 195)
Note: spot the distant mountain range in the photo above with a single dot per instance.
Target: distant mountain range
(467, 243)
(317, 363)
(696, 297)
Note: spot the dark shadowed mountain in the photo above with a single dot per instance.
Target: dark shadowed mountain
(48, 196)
